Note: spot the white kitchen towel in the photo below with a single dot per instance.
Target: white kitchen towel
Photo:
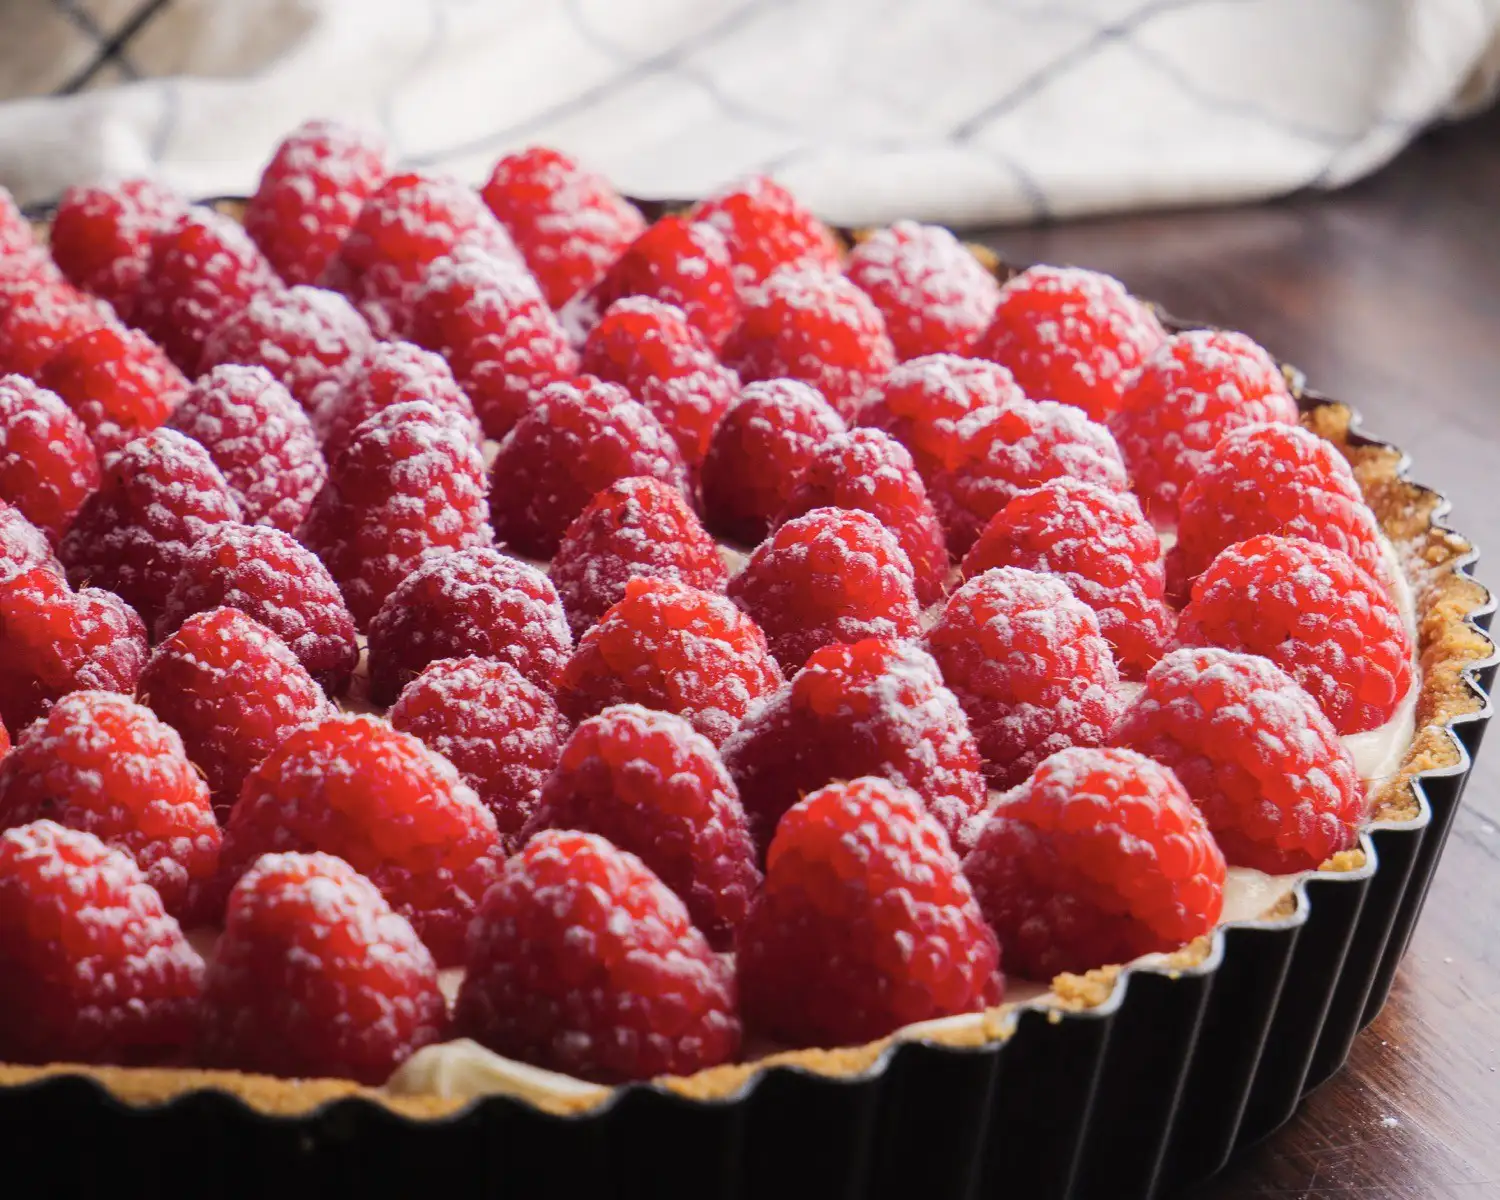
(962, 111)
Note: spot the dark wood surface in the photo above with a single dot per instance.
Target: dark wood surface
(1388, 297)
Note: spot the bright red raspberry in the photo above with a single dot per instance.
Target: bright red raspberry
(15, 231)
(649, 348)
(1070, 335)
(833, 952)
(474, 601)
(1100, 544)
(48, 467)
(583, 961)
(23, 545)
(95, 971)
(118, 381)
(766, 228)
(45, 314)
(310, 194)
(876, 707)
(233, 691)
(869, 470)
(99, 761)
(273, 579)
(757, 452)
(1279, 789)
(260, 438)
(316, 976)
(567, 220)
(577, 441)
(638, 526)
(409, 487)
(1098, 858)
(101, 236)
(652, 785)
(1026, 660)
(816, 327)
(834, 575)
(672, 647)
(1196, 388)
(502, 732)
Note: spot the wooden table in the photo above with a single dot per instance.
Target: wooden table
(1388, 296)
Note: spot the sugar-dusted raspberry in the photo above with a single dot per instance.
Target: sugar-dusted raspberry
(502, 732)
(261, 440)
(868, 470)
(820, 328)
(767, 228)
(15, 231)
(488, 318)
(101, 762)
(395, 811)
(670, 646)
(409, 487)
(651, 349)
(101, 236)
(1026, 660)
(95, 970)
(1101, 545)
(578, 440)
(473, 601)
(757, 452)
(48, 467)
(638, 526)
(22, 545)
(269, 576)
(1098, 858)
(1279, 789)
(310, 194)
(22, 273)
(118, 381)
(833, 575)
(43, 315)
(877, 707)
(829, 955)
(1011, 449)
(233, 690)
(1070, 335)
(1196, 388)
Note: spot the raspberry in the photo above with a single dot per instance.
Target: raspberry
(582, 961)
(766, 228)
(834, 575)
(1197, 387)
(260, 439)
(567, 221)
(935, 296)
(487, 317)
(119, 383)
(577, 441)
(1101, 545)
(410, 487)
(380, 800)
(101, 236)
(1313, 612)
(1098, 858)
(1026, 660)
(94, 969)
(757, 452)
(272, 579)
(502, 732)
(874, 708)
(316, 976)
(22, 545)
(99, 761)
(47, 463)
(638, 526)
(43, 315)
(815, 327)
(310, 194)
(475, 601)
(15, 231)
(672, 647)
(868, 470)
(1070, 335)
(1015, 448)
(390, 373)
(1279, 790)
(233, 691)
(834, 951)
(649, 348)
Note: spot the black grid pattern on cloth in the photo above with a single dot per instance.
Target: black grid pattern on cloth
(112, 46)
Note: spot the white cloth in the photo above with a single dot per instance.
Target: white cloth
(961, 111)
